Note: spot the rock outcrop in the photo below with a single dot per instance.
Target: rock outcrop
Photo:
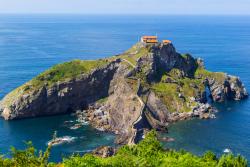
(149, 86)
(104, 151)
(62, 97)
(229, 88)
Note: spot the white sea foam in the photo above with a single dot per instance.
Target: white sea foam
(61, 140)
(70, 121)
(76, 126)
(86, 151)
(227, 150)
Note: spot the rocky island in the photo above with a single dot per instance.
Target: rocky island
(147, 87)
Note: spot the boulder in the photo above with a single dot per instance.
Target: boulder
(104, 151)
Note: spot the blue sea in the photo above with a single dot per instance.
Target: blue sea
(29, 44)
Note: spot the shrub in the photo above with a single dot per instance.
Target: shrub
(148, 153)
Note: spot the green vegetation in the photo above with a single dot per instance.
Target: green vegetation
(172, 85)
(66, 71)
(149, 152)
(186, 55)
(135, 53)
(133, 83)
(27, 157)
(203, 73)
(102, 100)
(168, 94)
(58, 73)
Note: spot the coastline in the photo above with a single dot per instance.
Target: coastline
(214, 56)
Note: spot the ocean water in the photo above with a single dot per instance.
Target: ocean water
(29, 44)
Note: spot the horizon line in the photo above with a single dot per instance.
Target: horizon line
(127, 14)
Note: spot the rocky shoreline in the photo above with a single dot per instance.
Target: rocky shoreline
(147, 87)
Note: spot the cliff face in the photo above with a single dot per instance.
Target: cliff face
(231, 88)
(149, 86)
(62, 97)
(221, 85)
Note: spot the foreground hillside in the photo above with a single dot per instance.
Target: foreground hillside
(148, 152)
(147, 87)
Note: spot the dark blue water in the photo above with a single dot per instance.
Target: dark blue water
(31, 44)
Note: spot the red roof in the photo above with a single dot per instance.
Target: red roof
(166, 41)
(149, 37)
(151, 41)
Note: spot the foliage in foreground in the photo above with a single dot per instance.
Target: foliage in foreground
(148, 152)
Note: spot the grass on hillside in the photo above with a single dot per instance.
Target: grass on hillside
(134, 53)
(169, 92)
(58, 73)
(203, 73)
(68, 70)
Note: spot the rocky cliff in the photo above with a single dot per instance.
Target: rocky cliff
(148, 86)
(39, 97)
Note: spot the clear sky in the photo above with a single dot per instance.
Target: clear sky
(241, 7)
